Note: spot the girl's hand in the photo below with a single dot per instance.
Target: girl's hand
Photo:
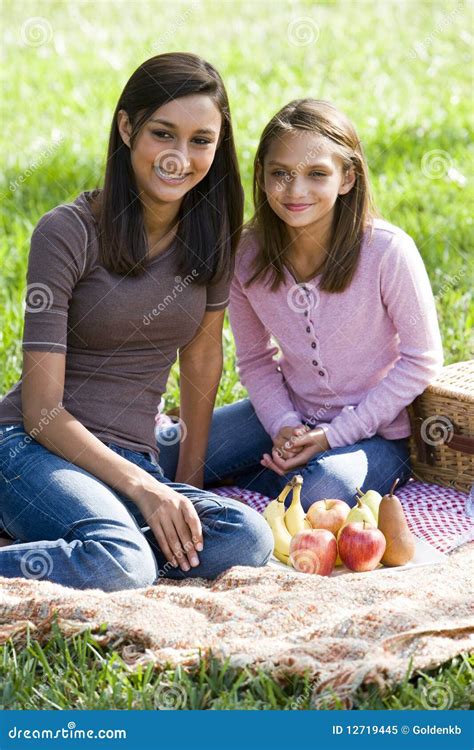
(309, 444)
(173, 520)
(284, 441)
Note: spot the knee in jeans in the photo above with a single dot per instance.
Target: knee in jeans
(134, 565)
(256, 542)
(321, 483)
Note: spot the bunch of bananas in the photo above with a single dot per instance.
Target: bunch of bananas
(283, 524)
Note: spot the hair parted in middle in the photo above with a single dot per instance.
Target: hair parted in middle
(211, 214)
(353, 212)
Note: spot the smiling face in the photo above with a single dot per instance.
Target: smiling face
(175, 149)
(302, 177)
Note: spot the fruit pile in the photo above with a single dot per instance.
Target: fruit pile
(331, 533)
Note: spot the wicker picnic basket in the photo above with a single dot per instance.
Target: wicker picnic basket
(442, 423)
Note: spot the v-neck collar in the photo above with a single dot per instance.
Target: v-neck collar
(308, 282)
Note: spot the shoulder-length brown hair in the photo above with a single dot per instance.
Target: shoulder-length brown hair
(211, 214)
(353, 211)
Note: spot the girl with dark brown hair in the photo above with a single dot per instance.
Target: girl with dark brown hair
(120, 281)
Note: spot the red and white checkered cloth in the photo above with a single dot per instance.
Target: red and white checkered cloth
(439, 515)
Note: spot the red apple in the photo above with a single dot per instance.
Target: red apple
(313, 551)
(361, 546)
(328, 514)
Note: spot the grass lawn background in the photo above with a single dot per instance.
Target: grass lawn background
(400, 70)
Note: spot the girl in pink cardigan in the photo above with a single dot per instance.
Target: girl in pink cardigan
(334, 322)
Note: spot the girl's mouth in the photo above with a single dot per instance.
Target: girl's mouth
(297, 206)
(169, 177)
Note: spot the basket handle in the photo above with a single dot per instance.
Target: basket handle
(425, 456)
(457, 442)
(462, 443)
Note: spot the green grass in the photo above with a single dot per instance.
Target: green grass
(399, 69)
(78, 673)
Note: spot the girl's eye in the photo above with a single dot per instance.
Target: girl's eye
(278, 173)
(317, 174)
(164, 134)
(161, 133)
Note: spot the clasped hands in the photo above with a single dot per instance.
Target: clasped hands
(293, 447)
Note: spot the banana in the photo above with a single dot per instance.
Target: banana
(276, 508)
(274, 515)
(286, 523)
(281, 539)
(295, 517)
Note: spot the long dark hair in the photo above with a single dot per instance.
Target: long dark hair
(211, 214)
(353, 211)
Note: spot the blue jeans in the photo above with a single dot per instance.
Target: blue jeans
(73, 529)
(238, 441)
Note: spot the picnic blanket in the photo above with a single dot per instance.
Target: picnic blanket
(344, 631)
(442, 516)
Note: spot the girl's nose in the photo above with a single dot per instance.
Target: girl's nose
(173, 161)
(294, 187)
(183, 158)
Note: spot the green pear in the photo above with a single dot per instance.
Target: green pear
(360, 512)
(372, 499)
